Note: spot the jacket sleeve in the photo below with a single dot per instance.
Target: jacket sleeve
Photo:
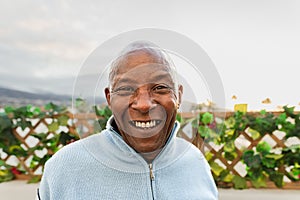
(43, 192)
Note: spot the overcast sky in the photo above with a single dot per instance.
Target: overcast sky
(254, 44)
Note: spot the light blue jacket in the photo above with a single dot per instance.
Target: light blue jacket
(103, 166)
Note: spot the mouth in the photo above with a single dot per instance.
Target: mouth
(145, 124)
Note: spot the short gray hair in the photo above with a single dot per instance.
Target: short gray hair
(149, 48)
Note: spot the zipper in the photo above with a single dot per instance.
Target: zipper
(151, 179)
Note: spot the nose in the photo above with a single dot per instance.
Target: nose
(142, 101)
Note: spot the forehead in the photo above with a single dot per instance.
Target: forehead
(142, 65)
(137, 58)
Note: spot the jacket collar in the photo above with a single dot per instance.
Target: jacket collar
(110, 149)
(125, 147)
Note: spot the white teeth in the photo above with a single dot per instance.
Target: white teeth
(149, 124)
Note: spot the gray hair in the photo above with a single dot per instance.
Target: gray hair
(150, 48)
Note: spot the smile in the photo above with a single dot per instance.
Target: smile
(147, 124)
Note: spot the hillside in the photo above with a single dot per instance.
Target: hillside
(19, 98)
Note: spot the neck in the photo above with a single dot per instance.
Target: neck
(150, 156)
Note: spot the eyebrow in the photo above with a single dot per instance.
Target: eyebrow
(162, 76)
(123, 80)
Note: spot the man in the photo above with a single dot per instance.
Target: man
(138, 156)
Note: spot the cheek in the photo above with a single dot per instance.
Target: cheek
(173, 102)
(118, 106)
(170, 106)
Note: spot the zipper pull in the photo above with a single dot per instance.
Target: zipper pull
(151, 172)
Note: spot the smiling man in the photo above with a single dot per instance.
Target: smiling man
(138, 156)
(144, 99)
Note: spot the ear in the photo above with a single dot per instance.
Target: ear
(107, 95)
(180, 92)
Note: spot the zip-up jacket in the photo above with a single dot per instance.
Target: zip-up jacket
(104, 166)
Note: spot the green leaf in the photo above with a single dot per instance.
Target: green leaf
(54, 126)
(289, 110)
(207, 118)
(24, 124)
(5, 123)
(34, 179)
(36, 111)
(55, 108)
(9, 109)
(239, 182)
(216, 169)
(209, 155)
(229, 132)
(108, 112)
(80, 102)
(275, 156)
(277, 178)
(230, 155)
(251, 160)
(17, 150)
(254, 133)
(97, 127)
(40, 136)
(281, 119)
(229, 146)
(48, 106)
(204, 131)
(259, 182)
(5, 175)
(179, 118)
(102, 123)
(263, 147)
(99, 112)
(63, 120)
(247, 155)
(228, 178)
(195, 123)
(2, 163)
(65, 138)
(263, 112)
(230, 122)
(295, 171)
(268, 162)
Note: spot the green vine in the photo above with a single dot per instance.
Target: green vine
(263, 162)
(13, 118)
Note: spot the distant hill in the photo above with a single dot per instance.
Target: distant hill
(5, 92)
(19, 98)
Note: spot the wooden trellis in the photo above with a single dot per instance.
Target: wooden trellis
(40, 125)
(83, 123)
(235, 166)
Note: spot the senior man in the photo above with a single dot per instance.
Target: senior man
(138, 155)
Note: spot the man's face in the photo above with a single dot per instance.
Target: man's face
(143, 101)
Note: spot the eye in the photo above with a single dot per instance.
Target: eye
(161, 89)
(124, 90)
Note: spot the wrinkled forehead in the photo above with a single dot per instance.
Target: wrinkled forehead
(143, 74)
(140, 63)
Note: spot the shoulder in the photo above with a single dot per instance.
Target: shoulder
(188, 148)
(181, 151)
(71, 154)
(194, 159)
